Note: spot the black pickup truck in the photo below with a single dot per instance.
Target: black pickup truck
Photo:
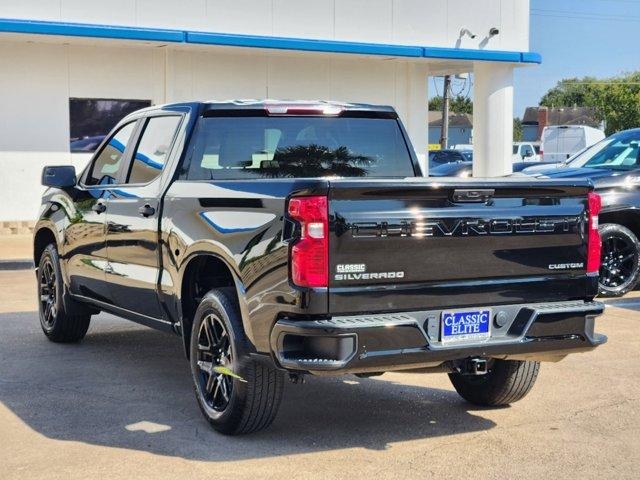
(283, 239)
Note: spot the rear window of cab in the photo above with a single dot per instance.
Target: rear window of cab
(235, 148)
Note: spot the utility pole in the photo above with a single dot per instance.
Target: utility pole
(446, 94)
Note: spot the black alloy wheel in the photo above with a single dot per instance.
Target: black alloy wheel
(214, 355)
(236, 393)
(61, 319)
(48, 293)
(619, 260)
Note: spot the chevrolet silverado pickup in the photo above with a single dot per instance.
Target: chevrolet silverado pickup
(281, 239)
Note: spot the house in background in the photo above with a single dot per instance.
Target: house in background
(460, 128)
(536, 118)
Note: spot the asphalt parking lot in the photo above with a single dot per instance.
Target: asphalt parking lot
(120, 405)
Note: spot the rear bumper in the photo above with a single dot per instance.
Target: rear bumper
(411, 340)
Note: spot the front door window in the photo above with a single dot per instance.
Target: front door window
(104, 170)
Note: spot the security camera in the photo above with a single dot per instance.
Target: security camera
(493, 32)
(466, 31)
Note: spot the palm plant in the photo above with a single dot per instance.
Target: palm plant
(315, 161)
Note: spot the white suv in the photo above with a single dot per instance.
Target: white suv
(524, 152)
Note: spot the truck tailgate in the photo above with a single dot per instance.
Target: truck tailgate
(420, 244)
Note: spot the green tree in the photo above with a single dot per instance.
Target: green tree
(517, 130)
(616, 99)
(458, 104)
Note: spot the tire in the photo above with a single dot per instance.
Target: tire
(620, 260)
(58, 325)
(232, 406)
(506, 382)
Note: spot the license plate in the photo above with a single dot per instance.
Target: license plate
(467, 326)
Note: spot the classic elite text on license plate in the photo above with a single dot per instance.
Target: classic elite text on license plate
(466, 325)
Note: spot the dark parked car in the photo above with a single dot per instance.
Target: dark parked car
(86, 144)
(454, 169)
(465, 169)
(284, 239)
(613, 165)
(442, 157)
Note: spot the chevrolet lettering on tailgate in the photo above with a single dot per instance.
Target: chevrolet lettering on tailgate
(465, 227)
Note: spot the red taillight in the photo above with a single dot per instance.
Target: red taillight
(594, 243)
(310, 254)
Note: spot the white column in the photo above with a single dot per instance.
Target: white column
(417, 114)
(492, 119)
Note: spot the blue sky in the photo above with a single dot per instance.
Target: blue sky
(594, 37)
(576, 38)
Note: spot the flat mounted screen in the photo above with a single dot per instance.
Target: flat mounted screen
(91, 119)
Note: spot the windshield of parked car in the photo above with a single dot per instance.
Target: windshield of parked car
(441, 157)
(298, 146)
(88, 144)
(618, 152)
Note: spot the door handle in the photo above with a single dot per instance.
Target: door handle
(146, 210)
(99, 207)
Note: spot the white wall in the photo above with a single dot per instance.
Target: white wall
(35, 92)
(37, 79)
(34, 107)
(220, 76)
(409, 22)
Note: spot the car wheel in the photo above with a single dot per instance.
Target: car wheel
(505, 382)
(58, 325)
(620, 260)
(235, 393)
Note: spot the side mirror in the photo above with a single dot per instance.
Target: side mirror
(59, 176)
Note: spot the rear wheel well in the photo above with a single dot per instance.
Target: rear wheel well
(43, 237)
(629, 219)
(203, 274)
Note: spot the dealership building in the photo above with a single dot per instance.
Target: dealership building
(71, 68)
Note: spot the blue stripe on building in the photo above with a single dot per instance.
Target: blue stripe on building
(253, 41)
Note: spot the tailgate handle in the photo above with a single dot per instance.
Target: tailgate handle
(473, 195)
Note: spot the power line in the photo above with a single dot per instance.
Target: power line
(600, 83)
(636, 2)
(585, 14)
(462, 89)
(435, 86)
(578, 17)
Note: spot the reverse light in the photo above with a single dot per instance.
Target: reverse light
(310, 254)
(594, 244)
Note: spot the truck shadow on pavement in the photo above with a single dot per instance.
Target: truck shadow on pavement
(126, 386)
(632, 303)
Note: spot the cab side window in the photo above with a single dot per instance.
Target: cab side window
(104, 170)
(153, 148)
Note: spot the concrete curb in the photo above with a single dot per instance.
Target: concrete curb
(17, 264)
